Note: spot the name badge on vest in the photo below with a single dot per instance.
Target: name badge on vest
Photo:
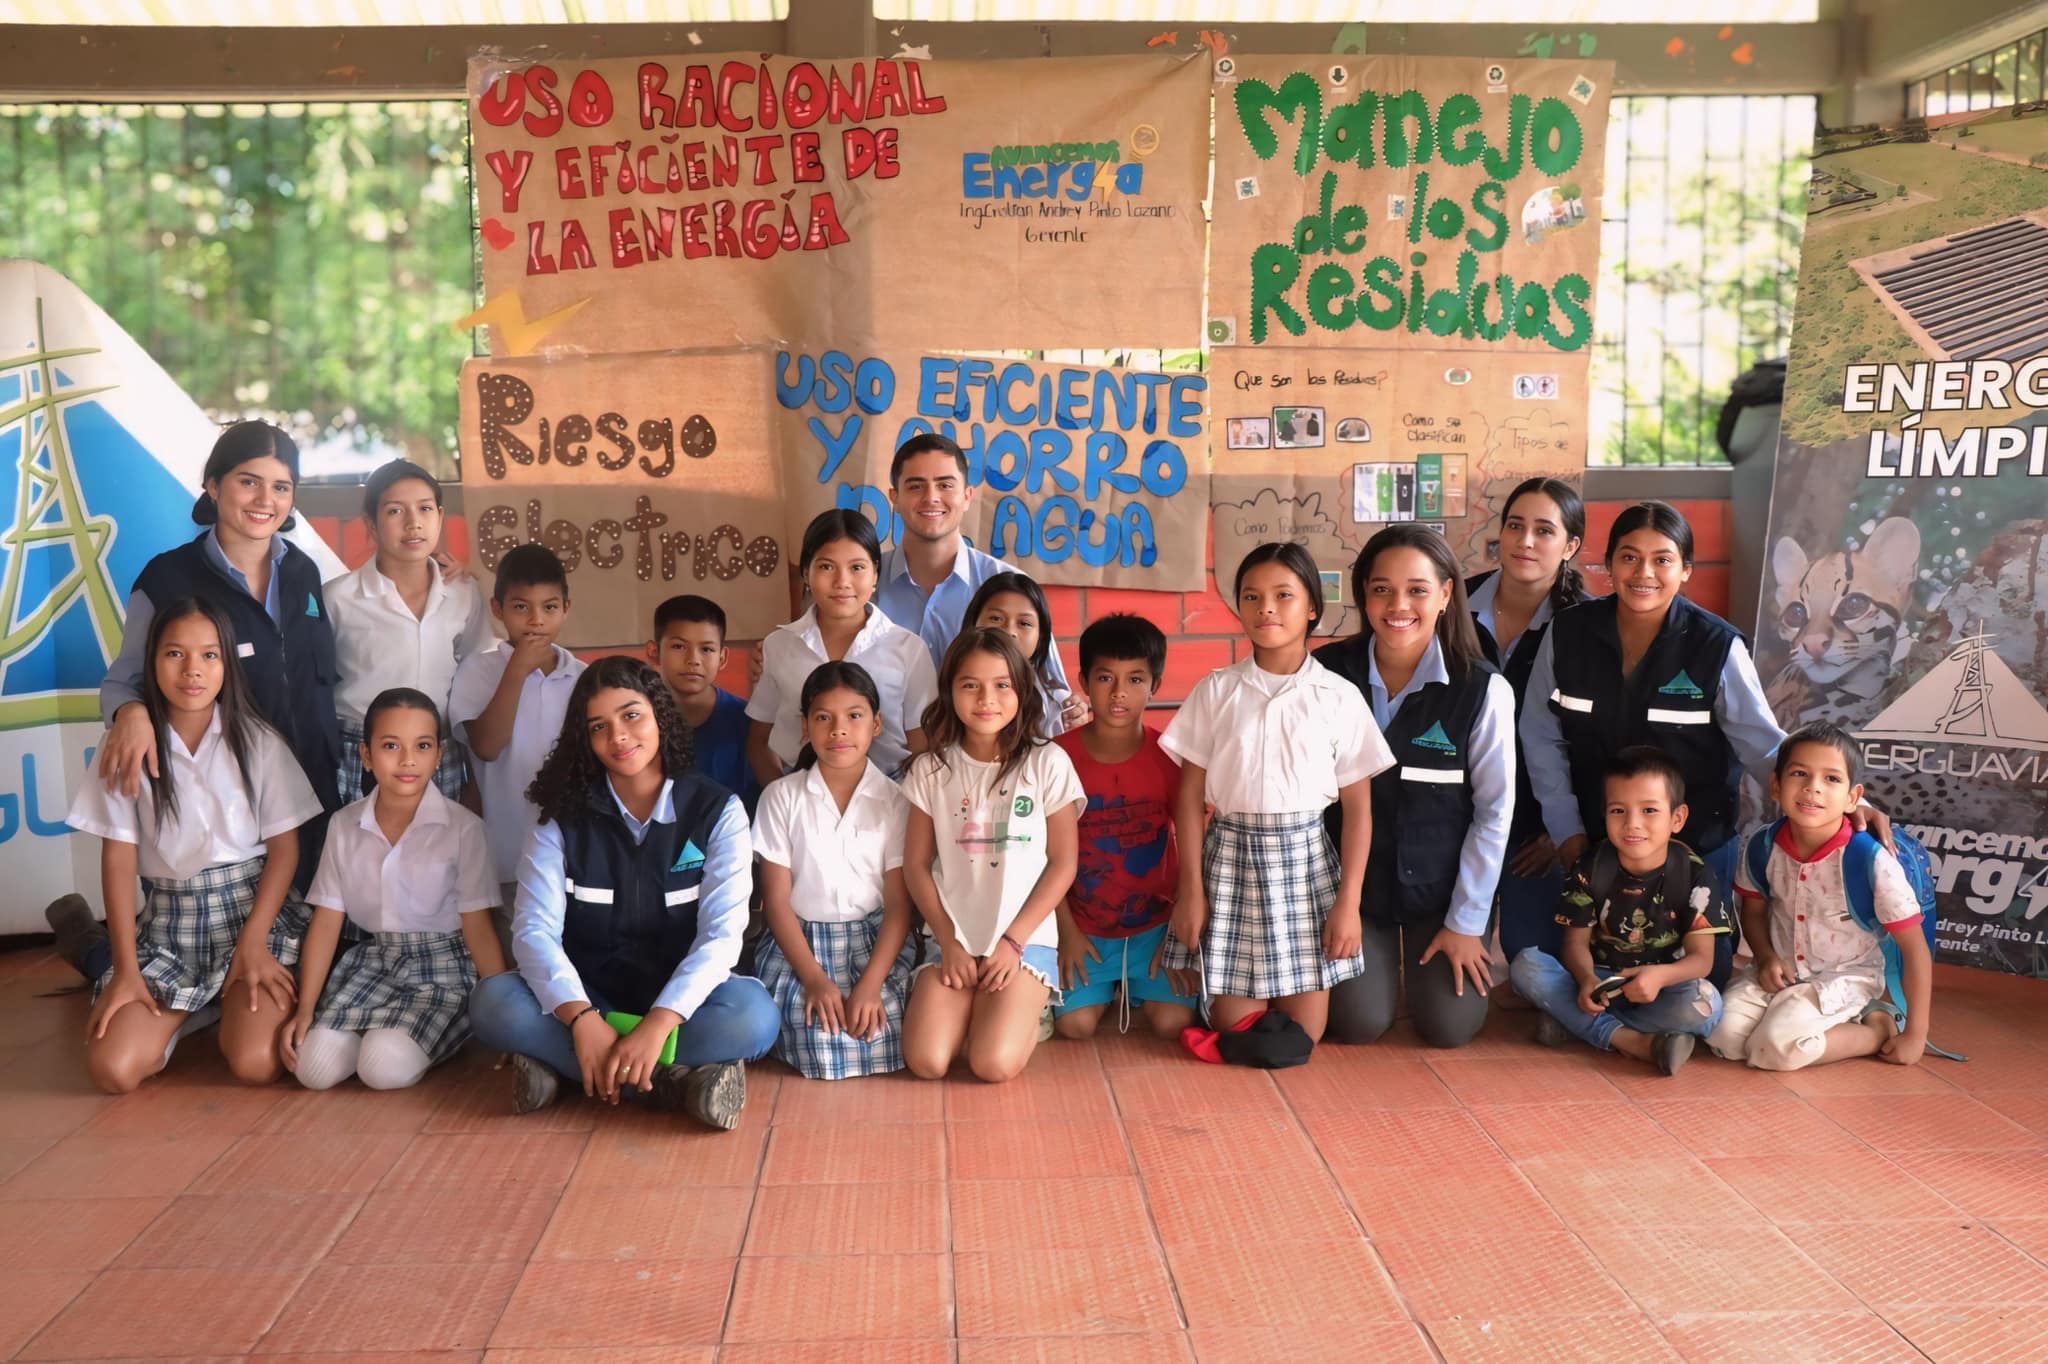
(245, 650)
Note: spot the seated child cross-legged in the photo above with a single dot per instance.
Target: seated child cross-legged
(1640, 915)
(632, 896)
(829, 837)
(988, 853)
(1113, 922)
(412, 870)
(1816, 990)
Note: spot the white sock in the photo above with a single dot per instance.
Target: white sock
(327, 1057)
(390, 1059)
(205, 1016)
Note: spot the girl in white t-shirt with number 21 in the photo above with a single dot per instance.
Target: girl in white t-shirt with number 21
(990, 852)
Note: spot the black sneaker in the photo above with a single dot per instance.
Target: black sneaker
(1550, 1032)
(713, 1095)
(534, 1084)
(1670, 1050)
(78, 932)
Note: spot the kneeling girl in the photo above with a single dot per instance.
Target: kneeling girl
(1440, 816)
(214, 836)
(990, 852)
(830, 839)
(411, 870)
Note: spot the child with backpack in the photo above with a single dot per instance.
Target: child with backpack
(1641, 916)
(1836, 924)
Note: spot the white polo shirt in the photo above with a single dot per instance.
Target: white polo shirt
(1276, 744)
(543, 700)
(217, 820)
(438, 871)
(836, 860)
(894, 657)
(381, 644)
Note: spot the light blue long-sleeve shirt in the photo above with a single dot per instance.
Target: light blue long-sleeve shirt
(1490, 764)
(1740, 710)
(936, 617)
(123, 682)
(542, 904)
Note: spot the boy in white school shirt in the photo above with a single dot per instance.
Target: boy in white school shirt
(509, 703)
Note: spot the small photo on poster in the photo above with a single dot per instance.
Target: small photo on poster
(1297, 428)
(1354, 430)
(1248, 433)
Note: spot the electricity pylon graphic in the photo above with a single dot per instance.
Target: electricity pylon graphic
(50, 515)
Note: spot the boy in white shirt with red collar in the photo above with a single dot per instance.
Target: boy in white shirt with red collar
(1816, 990)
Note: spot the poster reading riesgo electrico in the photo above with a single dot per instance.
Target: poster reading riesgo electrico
(1908, 546)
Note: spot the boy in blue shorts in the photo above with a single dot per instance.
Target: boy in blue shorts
(1113, 921)
(688, 649)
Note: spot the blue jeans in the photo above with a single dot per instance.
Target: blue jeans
(1528, 912)
(1689, 1006)
(736, 1022)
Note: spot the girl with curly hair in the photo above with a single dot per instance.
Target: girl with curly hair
(632, 898)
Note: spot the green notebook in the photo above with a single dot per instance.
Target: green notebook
(625, 1023)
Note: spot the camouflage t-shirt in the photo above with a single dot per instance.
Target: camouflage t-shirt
(1639, 924)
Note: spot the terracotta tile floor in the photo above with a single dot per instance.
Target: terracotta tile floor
(1117, 1202)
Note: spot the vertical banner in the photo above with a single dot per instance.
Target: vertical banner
(647, 475)
(1908, 564)
(1084, 476)
(643, 204)
(1400, 295)
(100, 458)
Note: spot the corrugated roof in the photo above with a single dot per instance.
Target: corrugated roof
(381, 13)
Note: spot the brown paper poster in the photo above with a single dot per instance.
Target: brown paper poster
(1383, 201)
(1084, 476)
(1325, 447)
(697, 200)
(649, 475)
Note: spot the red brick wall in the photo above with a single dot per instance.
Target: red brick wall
(1201, 627)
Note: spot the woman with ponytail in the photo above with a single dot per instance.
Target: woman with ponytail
(1541, 529)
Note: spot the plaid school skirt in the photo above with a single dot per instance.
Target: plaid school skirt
(843, 950)
(185, 932)
(1270, 880)
(418, 983)
(449, 776)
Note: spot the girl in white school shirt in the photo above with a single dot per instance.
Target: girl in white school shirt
(1269, 912)
(214, 836)
(829, 839)
(411, 870)
(399, 621)
(840, 563)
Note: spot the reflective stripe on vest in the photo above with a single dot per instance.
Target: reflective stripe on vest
(1582, 704)
(1676, 717)
(589, 895)
(687, 895)
(1445, 776)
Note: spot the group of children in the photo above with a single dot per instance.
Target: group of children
(937, 856)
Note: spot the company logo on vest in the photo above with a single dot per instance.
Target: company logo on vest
(1682, 685)
(1434, 737)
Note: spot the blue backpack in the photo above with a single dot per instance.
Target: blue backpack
(1859, 881)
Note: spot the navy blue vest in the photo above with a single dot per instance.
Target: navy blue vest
(292, 671)
(1422, 805)
(1668, 703)
(1515, 667)
(631, 915)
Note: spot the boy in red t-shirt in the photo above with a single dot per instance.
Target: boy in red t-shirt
(1113, 921)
